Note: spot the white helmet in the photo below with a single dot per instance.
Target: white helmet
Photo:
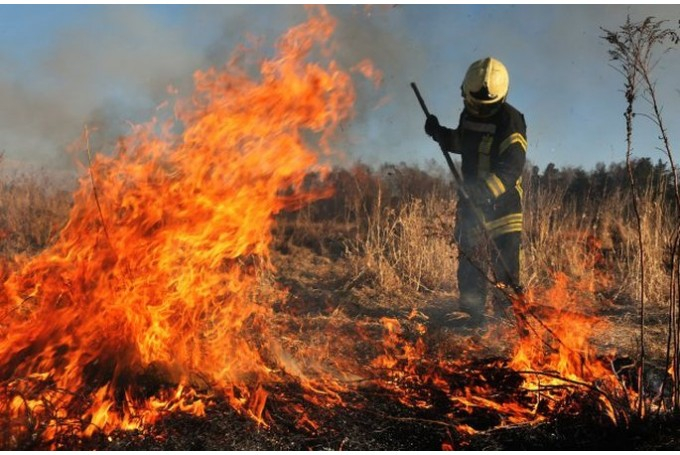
(485, 86)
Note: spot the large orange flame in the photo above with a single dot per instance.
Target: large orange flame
(158, 266)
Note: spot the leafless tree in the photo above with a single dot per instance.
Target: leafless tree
(634, 51)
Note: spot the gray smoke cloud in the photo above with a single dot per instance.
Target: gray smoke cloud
(104, 71)
(114, 63)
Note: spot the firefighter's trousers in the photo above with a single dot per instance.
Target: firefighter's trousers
(477, 253)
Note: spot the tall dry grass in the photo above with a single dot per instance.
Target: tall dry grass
(33, 208)
(566, 236)
(404, 239)
(408, 246)
(395, 226)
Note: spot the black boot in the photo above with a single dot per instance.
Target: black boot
(470, 315)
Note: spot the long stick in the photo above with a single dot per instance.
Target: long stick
(447, 156)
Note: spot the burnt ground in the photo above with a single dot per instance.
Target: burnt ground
(383, 426)
(322, 284)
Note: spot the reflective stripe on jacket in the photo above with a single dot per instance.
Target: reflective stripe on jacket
(493, 150)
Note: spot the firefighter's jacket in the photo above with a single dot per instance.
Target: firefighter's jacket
(493, 152)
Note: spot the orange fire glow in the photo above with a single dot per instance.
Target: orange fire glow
(157, 277)
(159, 268)
(555, 360)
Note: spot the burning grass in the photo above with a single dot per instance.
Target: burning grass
(188, 292)
(354, 366)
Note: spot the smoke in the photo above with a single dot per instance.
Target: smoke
(112, 65)
(384, 115)
(110, 68)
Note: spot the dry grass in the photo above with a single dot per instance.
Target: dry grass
(402, 242)
(560, 237)
(405, 240)
(409, 245)
(393, 231)
(396, 226)
(33, 208)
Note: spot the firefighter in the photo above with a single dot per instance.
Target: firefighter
(491, 139)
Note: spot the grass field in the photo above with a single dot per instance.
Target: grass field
(367, 276)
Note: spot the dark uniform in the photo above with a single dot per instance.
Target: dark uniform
(493, 152)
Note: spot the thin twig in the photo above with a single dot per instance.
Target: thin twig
(94, 186)
(586, 385)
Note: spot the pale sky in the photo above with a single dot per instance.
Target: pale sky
(64, 66)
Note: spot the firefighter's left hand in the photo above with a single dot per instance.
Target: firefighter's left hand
(432, 127)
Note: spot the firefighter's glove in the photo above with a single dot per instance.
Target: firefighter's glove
(433, 128)
(480, 196)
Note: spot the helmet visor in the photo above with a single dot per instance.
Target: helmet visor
(479, 109)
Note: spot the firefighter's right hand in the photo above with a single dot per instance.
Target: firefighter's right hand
(432, 127)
